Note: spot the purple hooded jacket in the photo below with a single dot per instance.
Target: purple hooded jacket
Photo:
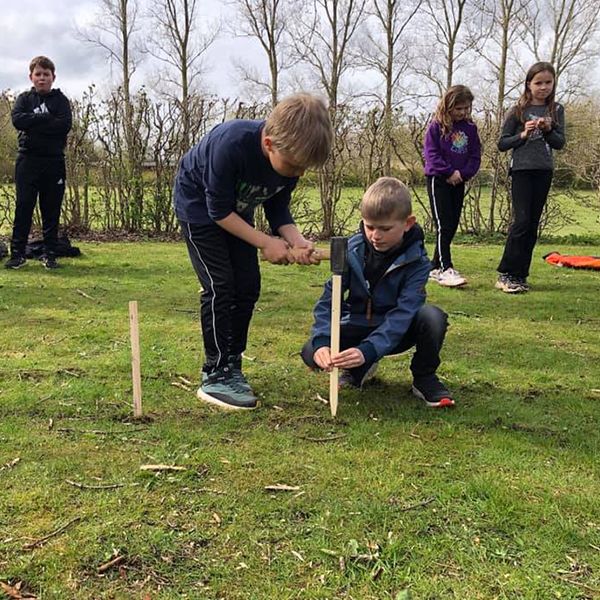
(460, 150)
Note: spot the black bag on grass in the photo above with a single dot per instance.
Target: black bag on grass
(35, 248)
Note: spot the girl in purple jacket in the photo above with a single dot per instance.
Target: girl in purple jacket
(452, 153)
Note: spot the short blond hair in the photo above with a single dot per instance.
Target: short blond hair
(42, 61)
(387, 198)
(299, 126)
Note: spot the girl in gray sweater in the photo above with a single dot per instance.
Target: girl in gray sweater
(532, 129)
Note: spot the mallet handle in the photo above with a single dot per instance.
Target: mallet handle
(336, 306)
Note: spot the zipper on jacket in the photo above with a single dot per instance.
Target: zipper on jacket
(369, 309)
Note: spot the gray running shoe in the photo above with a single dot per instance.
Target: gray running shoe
(234, 362)
(510, 285)
(221, 389)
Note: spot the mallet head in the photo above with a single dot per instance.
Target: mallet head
(339, 255)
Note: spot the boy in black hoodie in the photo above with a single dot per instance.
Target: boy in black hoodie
(43, 118)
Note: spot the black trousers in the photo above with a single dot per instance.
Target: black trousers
(426, 332)
(446, 203)
(42, 178)
(228, 270)
(529, 194)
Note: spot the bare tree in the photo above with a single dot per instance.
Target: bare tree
(267, 22)
(322, 41)
(388, 54)
(503, 20)
(115, 31)
(446, 42)
(565, 32)
(180, 45)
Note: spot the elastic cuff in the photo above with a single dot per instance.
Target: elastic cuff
(320, 342)
(368, 351)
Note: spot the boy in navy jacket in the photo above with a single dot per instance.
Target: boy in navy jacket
(384, 310)
(43, 117)
(237, 166)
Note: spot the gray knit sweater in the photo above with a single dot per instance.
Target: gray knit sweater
(534, 152)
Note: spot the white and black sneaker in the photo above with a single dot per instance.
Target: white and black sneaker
(432, 391)
(511, 285)
(15, 262)
(49, 262)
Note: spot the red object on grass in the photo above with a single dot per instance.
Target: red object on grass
(573, 261)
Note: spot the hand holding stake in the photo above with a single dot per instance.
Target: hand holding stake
(339, 261)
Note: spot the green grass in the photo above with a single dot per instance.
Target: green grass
(497, 498)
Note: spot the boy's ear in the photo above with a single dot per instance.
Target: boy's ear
(410, 221)
(268, 143)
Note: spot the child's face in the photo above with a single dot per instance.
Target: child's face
(386, 234)
(460, 111)
(541, 86)
(282, 163)
(42, 79)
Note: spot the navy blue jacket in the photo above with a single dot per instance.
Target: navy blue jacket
(43, 122)
(228, 172)
(389, 308)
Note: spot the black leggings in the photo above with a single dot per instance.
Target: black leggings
(529, 194)
(446, 203)
(228, 270)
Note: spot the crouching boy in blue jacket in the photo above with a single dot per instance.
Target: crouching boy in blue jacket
(383, 308)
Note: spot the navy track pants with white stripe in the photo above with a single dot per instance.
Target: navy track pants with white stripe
(228, 270)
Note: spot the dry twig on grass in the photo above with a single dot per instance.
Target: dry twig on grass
(161, 468)
(110, 564)
(43, 540)
(108, 486)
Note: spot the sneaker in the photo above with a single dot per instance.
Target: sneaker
(522, 281)
(511, 285)
(347, 378)
(234, 362)
(451, 278)
(434, 274)
(221, 389)
(432, 391)
(15, 262)
(49, 262)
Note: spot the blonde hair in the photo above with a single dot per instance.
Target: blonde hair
(299, 126)
(454, 95)
(387, 198)
(41, 61)
(525, 100)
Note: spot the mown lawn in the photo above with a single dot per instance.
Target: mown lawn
(497, 498)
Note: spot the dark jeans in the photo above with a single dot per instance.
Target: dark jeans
(228, 270)
(426, 332)
(446, 203)
(529, 194)
(44, 178)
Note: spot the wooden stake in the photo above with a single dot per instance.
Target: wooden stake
(135, 358)
(336, 306)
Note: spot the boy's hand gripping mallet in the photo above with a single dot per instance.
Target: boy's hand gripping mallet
(339, 257)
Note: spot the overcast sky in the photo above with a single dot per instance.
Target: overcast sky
(32, 27)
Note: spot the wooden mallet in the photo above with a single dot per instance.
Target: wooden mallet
(339, 262)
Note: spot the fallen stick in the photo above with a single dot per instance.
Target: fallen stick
(84, 486)
(418, 505)
(44, 539)
(110, 564)
(82, 293)
(330, 438)
(161, 468)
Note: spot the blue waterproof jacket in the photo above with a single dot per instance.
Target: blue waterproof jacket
(388, 308)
